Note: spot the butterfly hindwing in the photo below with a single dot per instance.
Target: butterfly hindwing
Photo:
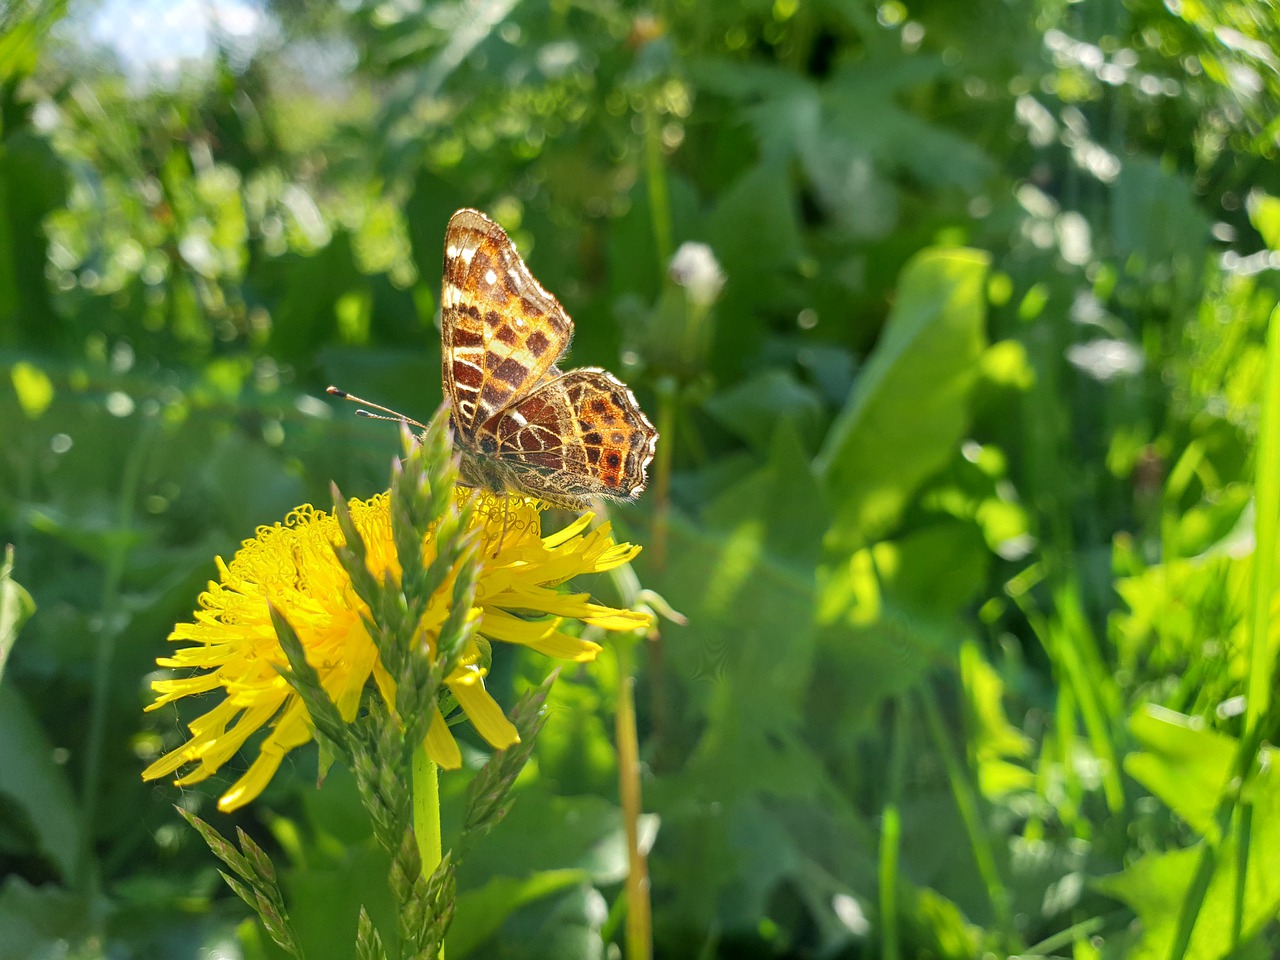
(581, 436)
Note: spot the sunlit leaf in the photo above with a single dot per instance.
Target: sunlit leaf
(1155, 886)
(909, 407)
(33, 387)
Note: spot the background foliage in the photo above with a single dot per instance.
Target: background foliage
(962, 495)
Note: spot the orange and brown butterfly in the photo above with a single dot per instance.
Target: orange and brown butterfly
(522, 424)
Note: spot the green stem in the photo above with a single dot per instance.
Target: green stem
(966, 798)
(426, 813)
(656, 180)
(891, 833)
(105, 653)
(639, 919)
(426, 810)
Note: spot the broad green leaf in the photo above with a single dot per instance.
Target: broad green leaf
(39, 921)
(889, 615)
(760, 203)
(860, 108)
(324, 895)
(753, 408)
(582, 833)
(35, 785)
(16, 608)
(1184, 764)
(1156, 885)
(563, 926)
(746, 581)
(909, 407)
(482, 911)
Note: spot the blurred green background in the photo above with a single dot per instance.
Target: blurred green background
(961, 462)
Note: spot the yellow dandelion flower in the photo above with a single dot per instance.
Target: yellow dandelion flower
(233, 646)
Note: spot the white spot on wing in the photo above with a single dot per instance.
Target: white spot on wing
(518, 417)
(490, 277)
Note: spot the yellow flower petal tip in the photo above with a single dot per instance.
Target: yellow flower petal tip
(231, 645)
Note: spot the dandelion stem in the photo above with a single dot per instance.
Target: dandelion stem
(426, 812)
(639, 921)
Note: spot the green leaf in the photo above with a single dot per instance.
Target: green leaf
(33, 387)
(995, 742)
(584, 833)
(756, 406)
(1156, 885)
(909, 407)
(1264, 214)
(1184, 764)
(36, 785)
(39, 921)
(481, 912)
(16, 608)
(565, 926)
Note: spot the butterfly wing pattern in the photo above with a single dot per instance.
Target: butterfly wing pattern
(522, 424)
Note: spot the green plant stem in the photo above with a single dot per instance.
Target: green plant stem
(105, 653)
(891, 833)
(656, 181)
(967, 802)
(639, 917)
(426, 812)
(668, 405)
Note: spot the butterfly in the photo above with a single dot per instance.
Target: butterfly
(521, 424)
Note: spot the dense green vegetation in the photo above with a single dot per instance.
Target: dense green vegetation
(962, 479)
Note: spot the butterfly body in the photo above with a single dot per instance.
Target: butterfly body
(522, 424)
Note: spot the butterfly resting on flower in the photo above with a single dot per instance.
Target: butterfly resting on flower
(522, 424)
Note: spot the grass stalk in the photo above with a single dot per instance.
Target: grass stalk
(966, 797)
(656, 182)
(891, 832)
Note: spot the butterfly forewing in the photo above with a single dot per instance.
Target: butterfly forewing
(502, 333)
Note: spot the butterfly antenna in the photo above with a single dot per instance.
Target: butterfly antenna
(395, 415)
